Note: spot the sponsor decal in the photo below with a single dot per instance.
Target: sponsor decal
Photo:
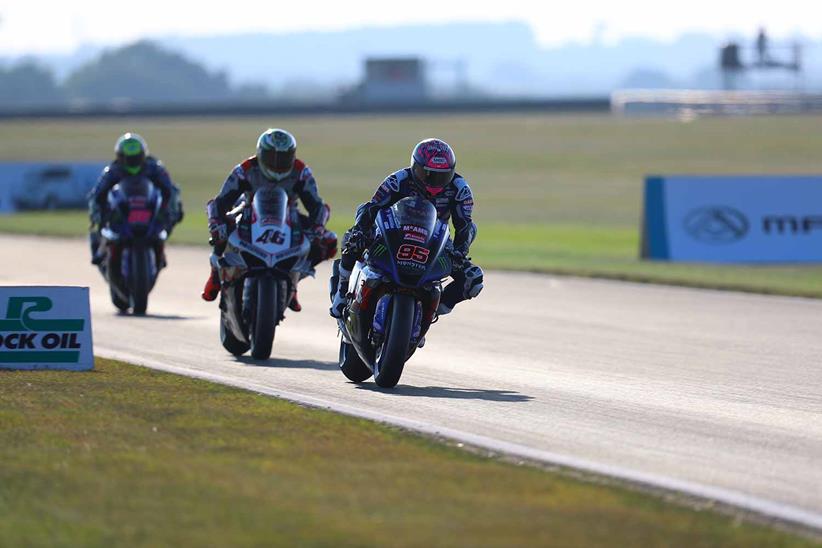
(716, 224)
(45, 328)
(415, 229)
(270, 221)
(464, 192)
(391, 184)
(791, 224)
(413, 237)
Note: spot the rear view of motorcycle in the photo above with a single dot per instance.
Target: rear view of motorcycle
(132, 242)
(393, 292)
(266, 255)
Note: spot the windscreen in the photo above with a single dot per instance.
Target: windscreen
(136, 186)
(416, 216)
(270, 206)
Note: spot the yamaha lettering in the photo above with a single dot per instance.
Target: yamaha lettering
(40, 328)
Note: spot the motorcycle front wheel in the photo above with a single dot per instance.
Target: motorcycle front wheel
(265, 317)
(392, 354)
(139, 279)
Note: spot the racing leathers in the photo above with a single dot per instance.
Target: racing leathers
(152, 169)
(300, 185)
(454, 202)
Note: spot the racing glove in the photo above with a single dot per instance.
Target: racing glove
(218, 231)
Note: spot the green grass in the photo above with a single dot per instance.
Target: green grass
(129, 456)
(568, 187)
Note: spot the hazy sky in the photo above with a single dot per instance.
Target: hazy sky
(36, 26)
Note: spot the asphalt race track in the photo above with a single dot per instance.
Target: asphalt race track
(713, 393)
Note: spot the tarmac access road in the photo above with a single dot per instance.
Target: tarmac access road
(715, 394)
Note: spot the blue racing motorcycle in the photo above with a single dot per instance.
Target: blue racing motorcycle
(132, 241)
(393, 292)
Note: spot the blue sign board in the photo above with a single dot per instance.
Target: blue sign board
(727, 219)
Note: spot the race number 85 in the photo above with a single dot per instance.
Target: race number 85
(408, 252)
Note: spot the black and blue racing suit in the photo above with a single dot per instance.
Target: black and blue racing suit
(454, 202)
(153, 170)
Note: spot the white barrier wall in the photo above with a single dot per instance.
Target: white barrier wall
(45, 327)
(733, 218)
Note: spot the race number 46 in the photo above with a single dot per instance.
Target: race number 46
(271, 237)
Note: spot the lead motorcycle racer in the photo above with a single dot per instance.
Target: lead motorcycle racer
(275, 163)
(431, 176)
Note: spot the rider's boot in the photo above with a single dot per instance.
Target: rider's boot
(212, 286)
(338, 303)
(94, 243)
(294, 304)
(160, 251)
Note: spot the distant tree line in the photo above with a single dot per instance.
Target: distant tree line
(142, 73)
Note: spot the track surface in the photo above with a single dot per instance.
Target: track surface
(712, 393)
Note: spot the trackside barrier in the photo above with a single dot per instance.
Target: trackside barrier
(733, 219)
(45, 327)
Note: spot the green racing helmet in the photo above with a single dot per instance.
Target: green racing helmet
(131, 151)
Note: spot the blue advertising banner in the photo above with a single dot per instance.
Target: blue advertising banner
(30, 185)
(726, 219)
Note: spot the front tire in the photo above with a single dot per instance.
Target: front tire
(351, 365)
(139, 279)
(265, 318)
(394, 351)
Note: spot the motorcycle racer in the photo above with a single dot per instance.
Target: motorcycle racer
(432, 176)
(132, 159)
(275, 163)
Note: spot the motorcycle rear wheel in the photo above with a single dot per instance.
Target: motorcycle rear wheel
(351, 365)
(230, 342)
(116, 300)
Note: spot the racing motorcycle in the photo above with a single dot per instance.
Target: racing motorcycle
(131, 240)
(265, 256)
(393, 292)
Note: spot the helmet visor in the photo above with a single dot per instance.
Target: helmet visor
(434, 178)
(275, 161)
(134, 160)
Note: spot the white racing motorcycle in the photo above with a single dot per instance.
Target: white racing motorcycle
(266, 255)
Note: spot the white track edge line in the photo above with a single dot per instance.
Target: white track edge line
(780, 511)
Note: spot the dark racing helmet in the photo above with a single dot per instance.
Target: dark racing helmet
(131, 151)
(432, 164)
(276, 151)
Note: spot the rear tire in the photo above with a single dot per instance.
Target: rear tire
(351, 365)
(230, 342)
(391, 357)
(265, 318)
(119, 303)
(139, 279)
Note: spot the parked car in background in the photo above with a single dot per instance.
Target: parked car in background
(54, 187)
